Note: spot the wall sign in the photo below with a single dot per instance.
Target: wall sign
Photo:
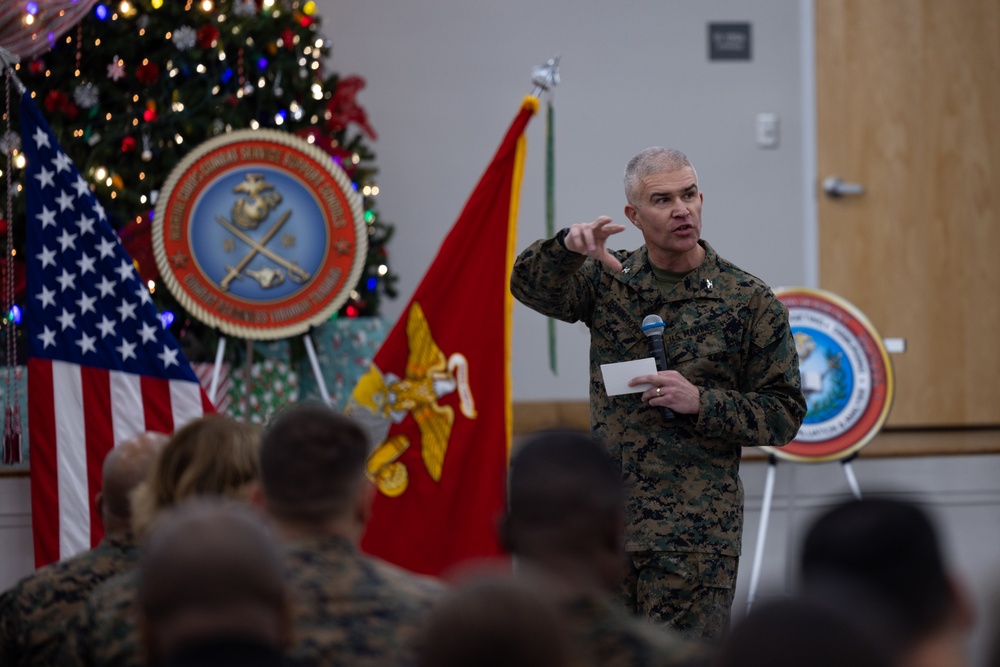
(729, 41)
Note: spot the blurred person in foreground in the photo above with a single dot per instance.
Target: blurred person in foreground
(210, 456)
(803, 632)
(349, 608)
(881, 557)
(34, 613)
(493, 622)
(564, 526)
(212, 589)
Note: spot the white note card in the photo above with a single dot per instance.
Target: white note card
(616, 376)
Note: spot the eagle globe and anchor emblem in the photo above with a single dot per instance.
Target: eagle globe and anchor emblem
(845, 372)
(383, 399)
(259, 234)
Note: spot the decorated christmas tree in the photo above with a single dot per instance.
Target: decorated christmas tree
(136, 84)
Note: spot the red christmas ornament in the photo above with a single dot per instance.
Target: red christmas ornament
(55, 100)
(147, 74)
(288, 37)
(37, 66)
(149, 115)
(128, 144)
(138, 242)
(208, 36)
(20, 280)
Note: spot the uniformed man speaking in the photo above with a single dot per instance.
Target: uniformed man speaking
(733, 382)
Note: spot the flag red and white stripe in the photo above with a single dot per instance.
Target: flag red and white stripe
(102, 366)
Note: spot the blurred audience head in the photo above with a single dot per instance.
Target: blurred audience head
(211, 574)
(210, 456)
(885, 551)
(802, 632)
(125, 467)
(313, 468)
(566, 506)
(492, 622)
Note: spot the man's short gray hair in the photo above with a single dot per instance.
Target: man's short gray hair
(653, 160)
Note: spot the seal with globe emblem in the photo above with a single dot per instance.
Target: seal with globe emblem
(259, 234)
(846, 376)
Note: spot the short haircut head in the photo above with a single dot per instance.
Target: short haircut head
(562, 485)
(653, 160)
(312, 463)
(210, 456)
(212, 568)
(125, 467)
(891, 547)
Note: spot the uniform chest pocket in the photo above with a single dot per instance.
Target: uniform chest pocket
(706, 355)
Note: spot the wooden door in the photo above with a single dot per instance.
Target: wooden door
(908, 102)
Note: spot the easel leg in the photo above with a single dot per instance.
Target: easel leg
(852, 481)
(213, 388)
(765, 514)
(314, 363)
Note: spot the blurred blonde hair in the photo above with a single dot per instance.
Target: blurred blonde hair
(210, 456)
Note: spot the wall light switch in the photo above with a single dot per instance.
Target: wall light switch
(768, 130)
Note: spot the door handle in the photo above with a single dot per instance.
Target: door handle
(836, 188)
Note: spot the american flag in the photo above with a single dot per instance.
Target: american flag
(101, 366)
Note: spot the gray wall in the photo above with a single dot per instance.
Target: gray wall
(445, 78)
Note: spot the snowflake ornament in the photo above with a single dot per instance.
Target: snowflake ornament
(86, 95)
(245, 8)
(185, 37)
(9, 142)
(116, 70)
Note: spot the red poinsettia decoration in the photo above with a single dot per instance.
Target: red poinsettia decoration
(344, 109)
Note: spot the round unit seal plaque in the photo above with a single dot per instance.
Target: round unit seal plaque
(259, 234)
(846, 376)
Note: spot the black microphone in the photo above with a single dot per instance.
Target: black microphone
(652, 326)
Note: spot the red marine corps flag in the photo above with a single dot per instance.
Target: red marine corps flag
(437, 397)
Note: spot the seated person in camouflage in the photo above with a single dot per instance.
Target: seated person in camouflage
(210, 456)
(34, 613)
(732, 381)
(565, 529)
(212, 588)
(349, 608)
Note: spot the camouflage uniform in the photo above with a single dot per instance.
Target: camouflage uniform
(351, 609)
(105, 632)
(34, 613)
(604, 635)
(727, 334)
